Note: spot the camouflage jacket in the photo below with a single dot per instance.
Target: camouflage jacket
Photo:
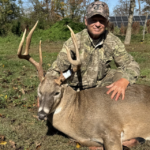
(96, 60)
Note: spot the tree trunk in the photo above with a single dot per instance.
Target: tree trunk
(130, 20)
(145, 26)
(139, 7)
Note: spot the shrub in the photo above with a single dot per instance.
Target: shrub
(111, 27)
(141, 30)
(59, 30)
(16, 28)
(116, 30)
(5, 29)
(135, 27)
(123, 29)
(148, 26)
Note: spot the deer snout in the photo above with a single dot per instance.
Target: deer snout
(42, 115)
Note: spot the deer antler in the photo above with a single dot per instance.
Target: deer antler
(76, 62)
(26, 53)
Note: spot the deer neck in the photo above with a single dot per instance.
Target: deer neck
(67, 101)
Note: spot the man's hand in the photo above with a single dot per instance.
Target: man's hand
(118, 88)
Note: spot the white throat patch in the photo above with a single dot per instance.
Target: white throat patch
(58, 110)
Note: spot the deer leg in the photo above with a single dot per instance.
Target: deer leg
(113, 143)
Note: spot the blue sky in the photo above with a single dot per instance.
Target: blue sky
(112, 4)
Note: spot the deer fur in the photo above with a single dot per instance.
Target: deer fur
(92, 118)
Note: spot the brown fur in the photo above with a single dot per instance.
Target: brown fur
(93, 119)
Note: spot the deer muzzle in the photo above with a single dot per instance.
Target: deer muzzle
(42, 115)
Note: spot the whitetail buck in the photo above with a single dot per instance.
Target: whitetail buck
(90, 116)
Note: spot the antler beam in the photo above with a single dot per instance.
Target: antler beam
(26, 53)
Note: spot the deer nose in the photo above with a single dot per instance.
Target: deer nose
(42, 115)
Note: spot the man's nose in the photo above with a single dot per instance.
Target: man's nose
(98, 24)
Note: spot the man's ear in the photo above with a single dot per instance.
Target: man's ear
(85, 20)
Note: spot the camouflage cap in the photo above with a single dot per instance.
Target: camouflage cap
(97, 8)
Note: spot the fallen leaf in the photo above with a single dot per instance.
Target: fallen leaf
(5, 96)
(23, 92)
(12, 143)
(4, 86)
(142, 76)
(38, 145)
(2, 138)
(3, 143)
(35, 116)
(78, 145)
(15, 88)
(15, 97)
(13, 120)
(24, 99)
(34, 105)
(2, 116)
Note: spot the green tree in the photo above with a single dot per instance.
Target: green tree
(8, 11)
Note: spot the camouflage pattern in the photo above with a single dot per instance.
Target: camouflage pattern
(95, 68)
(97, 8)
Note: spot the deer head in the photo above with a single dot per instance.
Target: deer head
(50, 89)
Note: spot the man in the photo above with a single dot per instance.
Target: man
(97, 48)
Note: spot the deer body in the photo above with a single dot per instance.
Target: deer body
(92, 118)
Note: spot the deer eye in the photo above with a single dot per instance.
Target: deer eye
(56, 93)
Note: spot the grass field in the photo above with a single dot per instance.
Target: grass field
(19, 127)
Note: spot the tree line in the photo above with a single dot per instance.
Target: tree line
(14, 17)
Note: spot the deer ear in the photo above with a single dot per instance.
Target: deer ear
(64, 85)
(60, 79)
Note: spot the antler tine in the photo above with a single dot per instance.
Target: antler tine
(40, 53)
(74, 62)
(39, 67)
(21, 45)
(28, 39)
(26, 54)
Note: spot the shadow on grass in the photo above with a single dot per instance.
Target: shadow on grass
(52, 131)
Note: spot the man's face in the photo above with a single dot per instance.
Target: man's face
(96, 25)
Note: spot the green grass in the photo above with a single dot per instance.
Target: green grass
(136, 38)
(19, 75)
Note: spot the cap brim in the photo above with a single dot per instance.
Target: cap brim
(93, 14)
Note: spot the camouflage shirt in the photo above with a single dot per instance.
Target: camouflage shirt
(95, 60)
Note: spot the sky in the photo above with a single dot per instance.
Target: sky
(111, 4)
